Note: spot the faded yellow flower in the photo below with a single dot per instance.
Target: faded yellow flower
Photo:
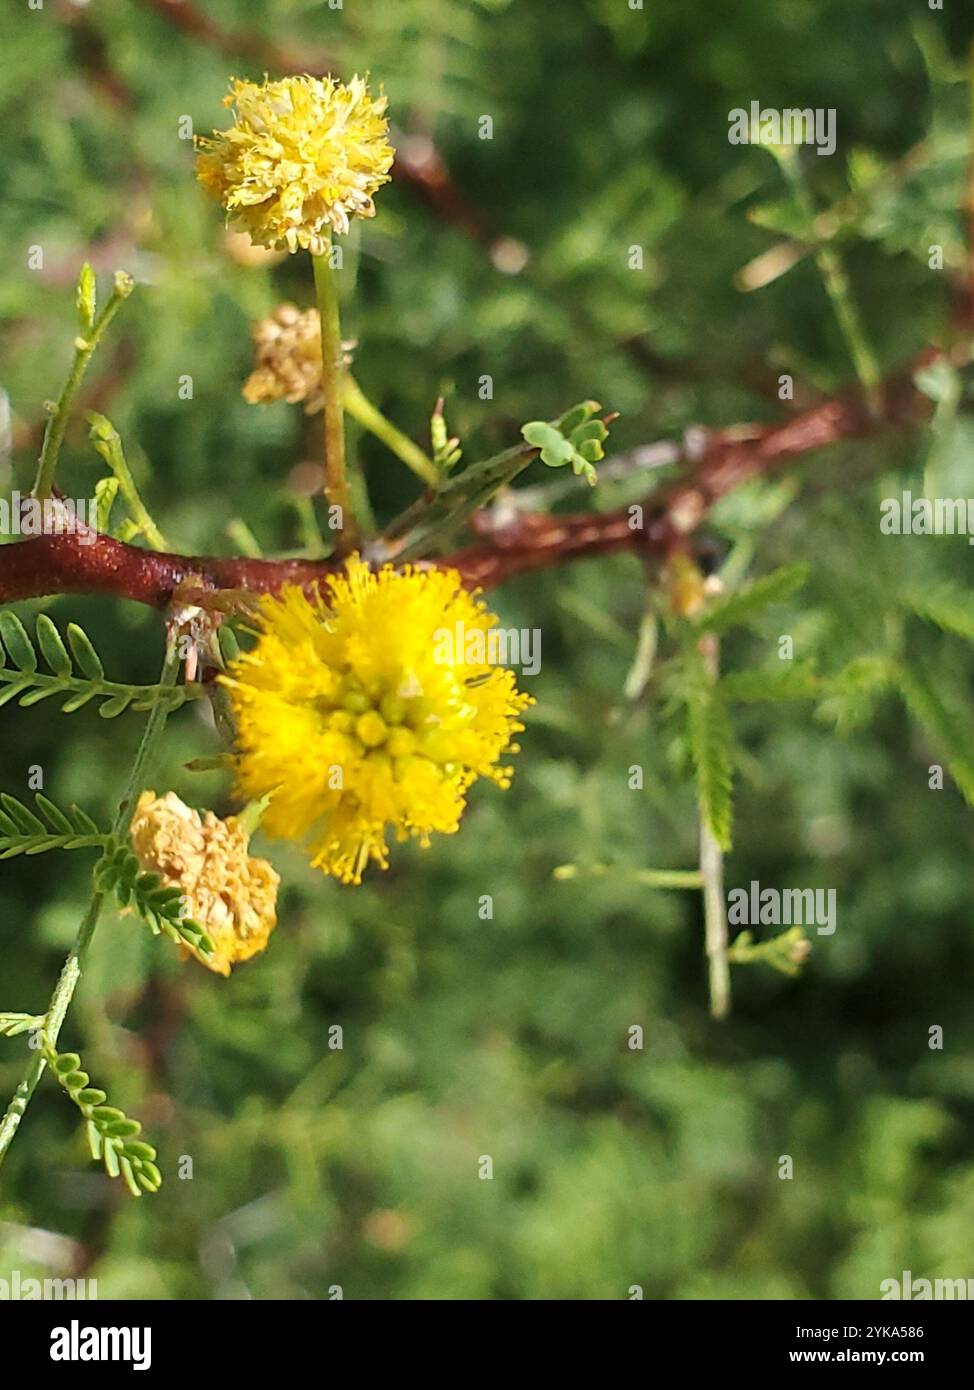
(303, 156)
(359, 712)
(230, 894)
(287, 346)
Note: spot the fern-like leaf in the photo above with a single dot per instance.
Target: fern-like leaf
(76, 672)
(162, 908)
(748, 603)
(852, 693)
(948, 606)
(786, 682)
(112, 1136)
(711, 742)
(946, 731)
(24, 832)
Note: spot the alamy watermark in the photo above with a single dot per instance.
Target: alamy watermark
(17, 1289)
(924, 1290)
(77, 1343)
(497, 646)
(782, 907)
(907, 515)
(757, 125)
(54, 516)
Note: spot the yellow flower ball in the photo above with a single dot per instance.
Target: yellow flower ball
(358, 717)
(303, 156)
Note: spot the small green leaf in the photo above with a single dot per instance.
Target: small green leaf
(123, 1129)
(593, 431)
(75, 702)
(86, 297)
(576, 416)
(555, 448)
(34, 697)
(16, 641)
(87, 659)
(55, 816)
(106, 490)
(128, 1173)
(229, 646)
(138, 1148)
(27, 823)
(114, 706)
(105, 1114)
(91, 1095)
(110, 1159)
(83, 821)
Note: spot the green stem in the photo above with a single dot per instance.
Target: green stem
(105, 438)
(712, 874)
(646, 878)
(150, 738)
(371, 418)
(71, 972)
(84, 348)
(837, 288)
(336, 482)
(53, 1019)
(244, 539)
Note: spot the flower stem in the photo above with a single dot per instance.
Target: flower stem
(71, 971)
(84, 348)
(336, 482)
(371, 418)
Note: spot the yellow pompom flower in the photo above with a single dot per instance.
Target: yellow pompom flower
(232, 895)
(359, 712)
(303, 156)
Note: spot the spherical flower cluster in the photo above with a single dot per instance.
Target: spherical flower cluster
(231, 895)
(358, 719)
(287, 346)
(303, 156)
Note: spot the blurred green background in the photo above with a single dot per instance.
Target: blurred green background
(659, 1168)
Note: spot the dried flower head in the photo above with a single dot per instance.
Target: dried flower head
(231, 895)
(287, 347)
(358, 712)
(303, 156)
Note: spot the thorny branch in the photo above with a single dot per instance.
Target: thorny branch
(509, 542)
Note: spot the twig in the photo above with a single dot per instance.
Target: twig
(85, 563)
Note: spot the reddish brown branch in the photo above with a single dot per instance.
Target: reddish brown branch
(88, 563)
